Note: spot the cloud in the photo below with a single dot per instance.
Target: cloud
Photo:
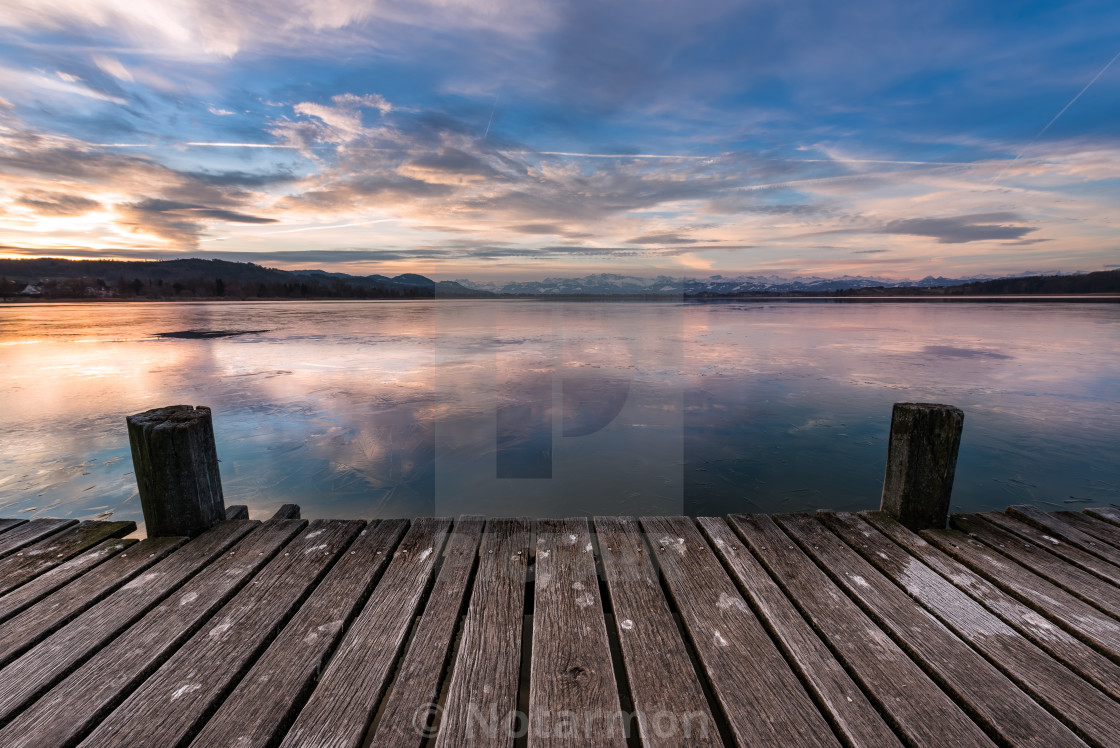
(219, 112)
(56, 203)
(961, 229)
(665, 238)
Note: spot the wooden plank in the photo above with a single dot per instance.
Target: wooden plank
(1061, 547)
(668, 699)
(1067, 648)
(262, 706)
(8, 524)
(1080, 705)
(422, 669)
(87, 694)
(1098, 528)
(915, 706)
(847, 708)
(1074, 615)
(31, 532)
(287, 511)
(573, 696)
(36, 622)
(1090, 588)
(26, 564)
(170, 705)
(53, 658)
(1105, 514)
(1057, 527)
(237, 511)
(984, 691)
(482, 696)
(32, 592)
(341, 707)
(762, 699)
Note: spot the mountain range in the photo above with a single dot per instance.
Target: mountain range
(200, 278)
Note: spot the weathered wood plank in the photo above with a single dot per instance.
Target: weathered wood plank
(1089, 587)
(287, 511)
(1067, 648)
(573, 696)
(1063, 530)
(37, 622)
(262, 706)
(986, 693)
(89, 693)
(1081, 706)
(1098, 528)
(1104, 513)
(422, 669)
(8, 524)
(341, 707)
(762, 699)
(55, 657)
(482, 696)
(846, 705)
(31, 532)
(668, 699)
(237, 511)
(916, 706)
(1056, 604)
(32, 592)
(169, 706)
(1061, 547)
(26, 564)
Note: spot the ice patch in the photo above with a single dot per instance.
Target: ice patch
(188, 598)
(425, 554)
(627, 625)
(860, 581)
(719, 640)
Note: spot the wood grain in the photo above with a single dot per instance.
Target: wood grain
(36, 622)
(482, 695)
(1081, 706)
(915, 706)
(259, 711)
(32, 592)
(55, 657)
(990, 697)
(422, 668)
(26, 564)
(341, 707)
(847, 707)
(1098, 528)
(169, 706)
(573, 696)
(89, 693)
(668, 699)
(27, 533)
(8, 524)
(1056, 604)
(1089, 587)
(762, 699)
(1062, 545)
(1067, 648)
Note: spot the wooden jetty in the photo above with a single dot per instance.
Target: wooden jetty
(834, 629)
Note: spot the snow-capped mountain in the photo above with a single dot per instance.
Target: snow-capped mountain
(610, 284)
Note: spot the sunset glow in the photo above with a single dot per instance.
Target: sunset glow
(502, 139)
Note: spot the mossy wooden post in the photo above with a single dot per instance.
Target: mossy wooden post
(921, 463)
(176, 466)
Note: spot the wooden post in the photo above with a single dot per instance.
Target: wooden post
(921, 462)
(176, 465)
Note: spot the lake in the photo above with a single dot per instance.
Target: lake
(559, 408)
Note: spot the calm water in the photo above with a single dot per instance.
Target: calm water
(379, 409)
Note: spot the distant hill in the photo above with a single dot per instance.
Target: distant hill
(194, 278)
(1100, 282)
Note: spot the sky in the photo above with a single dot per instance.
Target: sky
(520, 139)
